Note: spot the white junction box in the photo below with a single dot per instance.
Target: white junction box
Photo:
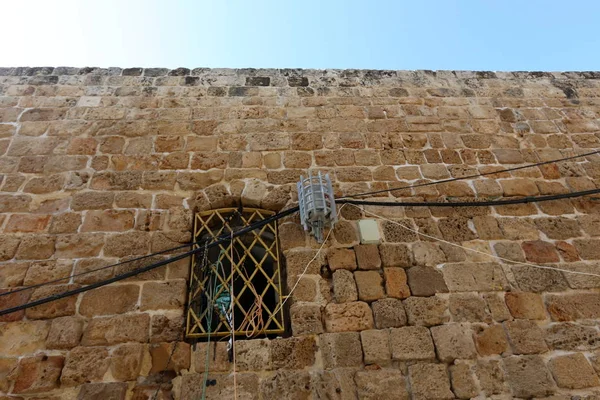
(369, 231)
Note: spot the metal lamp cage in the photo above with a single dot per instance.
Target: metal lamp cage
(244, 272)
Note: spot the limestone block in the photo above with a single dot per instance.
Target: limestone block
(344, 286)
(429, 381)
(84, 364)
(395, 255)
(38, 374)
(571, 336)
(100, 391)
(173, 356)
(463, 381)
(253, 355)
(528, 376)
(65, 333)
(376, 346)
(426, 281)
(411, 343)
(341, 349)
(163, 295)
(388, 313)
(453, 341)
(525, 337)
(573, 371)
(117, 329)
(384, 384)
(369, 284)
(367, 256)
(354, 316)
(285, 384)
(524, 305)
(306, 319)
(117, 299)
(217, 353)
(426, 311)
(126, 361)
(491, 340)
(396, 283)
(293, 353)
(491, 376)
(573, 306)
(467, 307)
(341, 259)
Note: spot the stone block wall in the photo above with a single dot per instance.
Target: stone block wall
(98, 166)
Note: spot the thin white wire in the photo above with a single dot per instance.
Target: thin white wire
(474, 250)
(307, 265)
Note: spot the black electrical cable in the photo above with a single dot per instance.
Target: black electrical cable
(521, 200)
(150, 267)
(418, 185)
(347, 199)
(110, 266)
(343, 199)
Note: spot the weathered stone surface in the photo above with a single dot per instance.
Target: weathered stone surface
(84, 364)
(491, 340)
(173, 356)
(253, 355)
(573, 306)
(525, 337)
(388, 313)
(396, 283)
(285, 384)
(344, 286)
(429, 381)
(376, 346)
(165, 329)
(117, 329)
(426, 281)
(369, 285)
(395, 255)
(528, 376)
(126, 361)
(453, 341)
(463, 381)
(573, 372)
(467, 307)
(38, 374)
(573, 337)
(57, 308)
(341, 259)
(108, 300)
(384, 384)
(531, 279)
(490, 374)
(525, 305)
(164, 295)
(103, 391)
(426, 311)
(411, 343)
(428, 254)
(337, 383)
(354, 316)
(466, 277)
(306, 319)
(65, 333)
(293, 353)
(341, 349)
(217, 353)
(8, 370)
(247, 386)
(367, 257)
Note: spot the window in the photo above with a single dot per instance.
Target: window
(245, 272)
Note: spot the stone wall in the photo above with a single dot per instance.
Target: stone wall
(101, 165)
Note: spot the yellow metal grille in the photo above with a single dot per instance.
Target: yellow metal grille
(245, 271)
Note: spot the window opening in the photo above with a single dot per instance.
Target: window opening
(249, 264)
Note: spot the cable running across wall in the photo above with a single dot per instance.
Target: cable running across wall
(342, 200)
(295, 209)
(473, 175)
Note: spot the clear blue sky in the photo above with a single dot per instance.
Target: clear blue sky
(376, 34)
